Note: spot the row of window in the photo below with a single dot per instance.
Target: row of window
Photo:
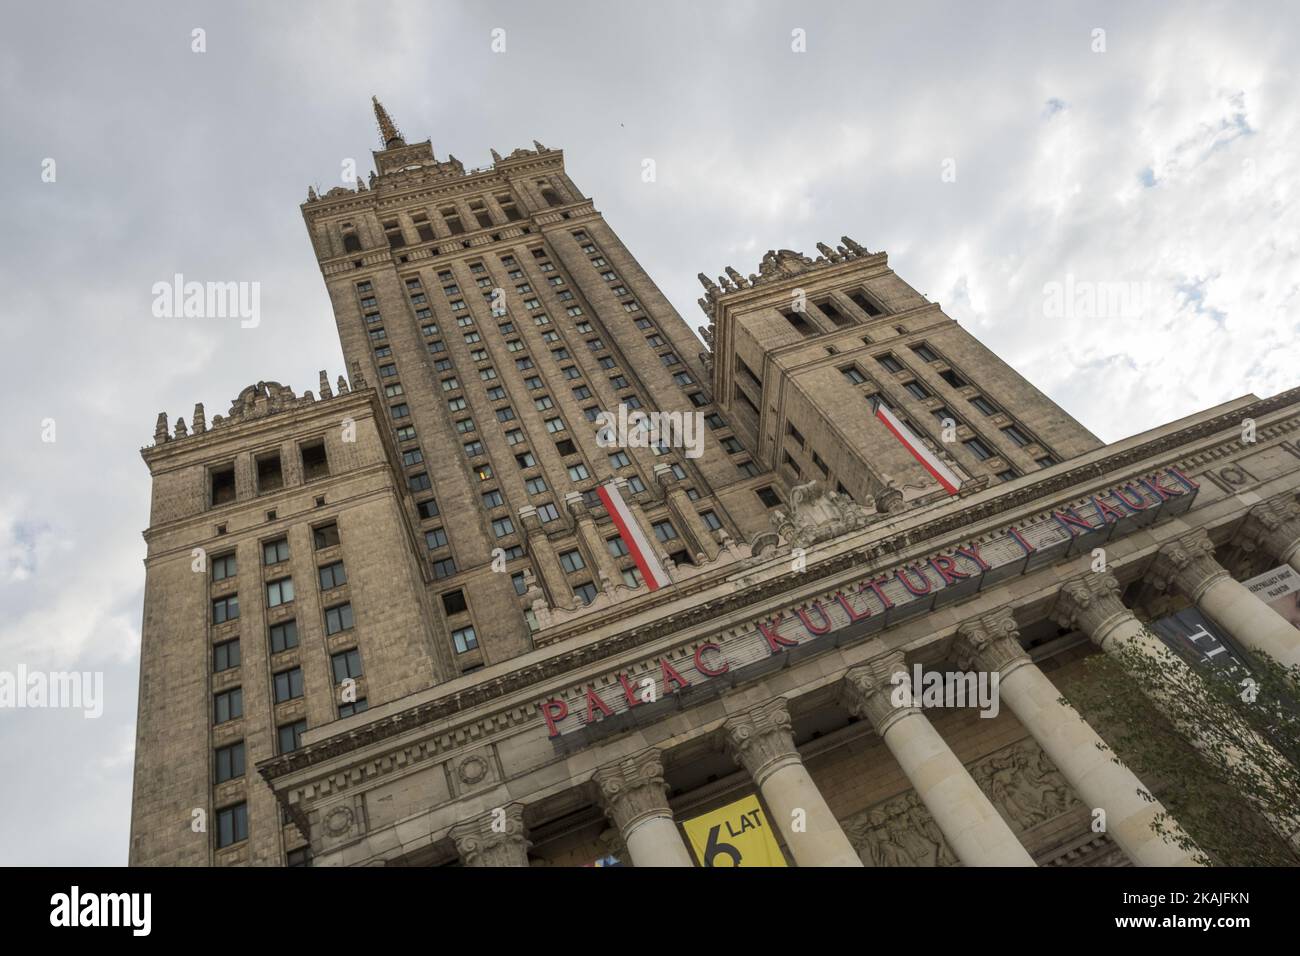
(270, 475)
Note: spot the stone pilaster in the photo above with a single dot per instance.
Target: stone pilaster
(605, 569)
(635, 798)
(498, 838)
(761, 740)
(683, 510)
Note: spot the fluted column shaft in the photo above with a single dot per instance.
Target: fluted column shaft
(761, 741)
(1188, 563)
(992, 643)
(635, 798)
(497, 838)
(974, 829)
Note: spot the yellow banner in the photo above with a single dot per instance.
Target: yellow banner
(735, 835)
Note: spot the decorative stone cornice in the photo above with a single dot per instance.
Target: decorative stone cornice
(868, 691)
(1274, 526)
(1092, 604)
(761, 739)
(632, 790)
(991, 642)
(1188, 564)
(498, 838)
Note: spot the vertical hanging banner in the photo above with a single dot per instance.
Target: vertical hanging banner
(917, 448)
(637, 544)
(735, 835)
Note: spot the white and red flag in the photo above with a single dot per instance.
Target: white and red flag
(652, 572)
(928, 459)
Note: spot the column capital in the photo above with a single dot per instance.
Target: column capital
(577, 505)
(879, 690)
(1091, 603)
(632, 790)
(761, 739)
(528, 518)
(1275, 526)
(991, 642)
(1188, 564)
(497, 838)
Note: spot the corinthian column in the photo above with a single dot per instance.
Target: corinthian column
(992, 643)
(1092, 604)
(635, 799)
(1188, 563)
(498, 838)
(1275, 525)
(973, 828)
(760, 740)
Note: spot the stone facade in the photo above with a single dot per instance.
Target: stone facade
(812, 560)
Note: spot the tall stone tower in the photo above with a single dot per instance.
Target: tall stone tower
(804, 349)
(322, 563)
(500, 315)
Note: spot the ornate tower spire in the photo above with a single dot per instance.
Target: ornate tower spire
(388, 132)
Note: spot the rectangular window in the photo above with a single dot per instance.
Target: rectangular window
(284, 636)
(223, 485)
(984, 405)
(332, 576)
(616, 546)
(586, 592)
(952, 378)
(225, 609)
(1017, 436)
(279, 592)
(223, 567)
(502, 527)
(711, 520)
(230, 762)
(273, 552)
(535, 486)
(269, 475)
(228, 705)
(232, 825)
(890, 363)
(288, 685)
(664, 530)
(315, 464)
(348, 709)
(464, 639)
(978, 449)
(916, 389)
(289, 736)
(338, 618)
(346, 664)
(435, 538)
(924, 352)
(578, 472)
(572, 561)
(444, 568)
(547, 512)
(225, 656)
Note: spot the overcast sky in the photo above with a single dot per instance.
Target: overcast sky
(1170, 161)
